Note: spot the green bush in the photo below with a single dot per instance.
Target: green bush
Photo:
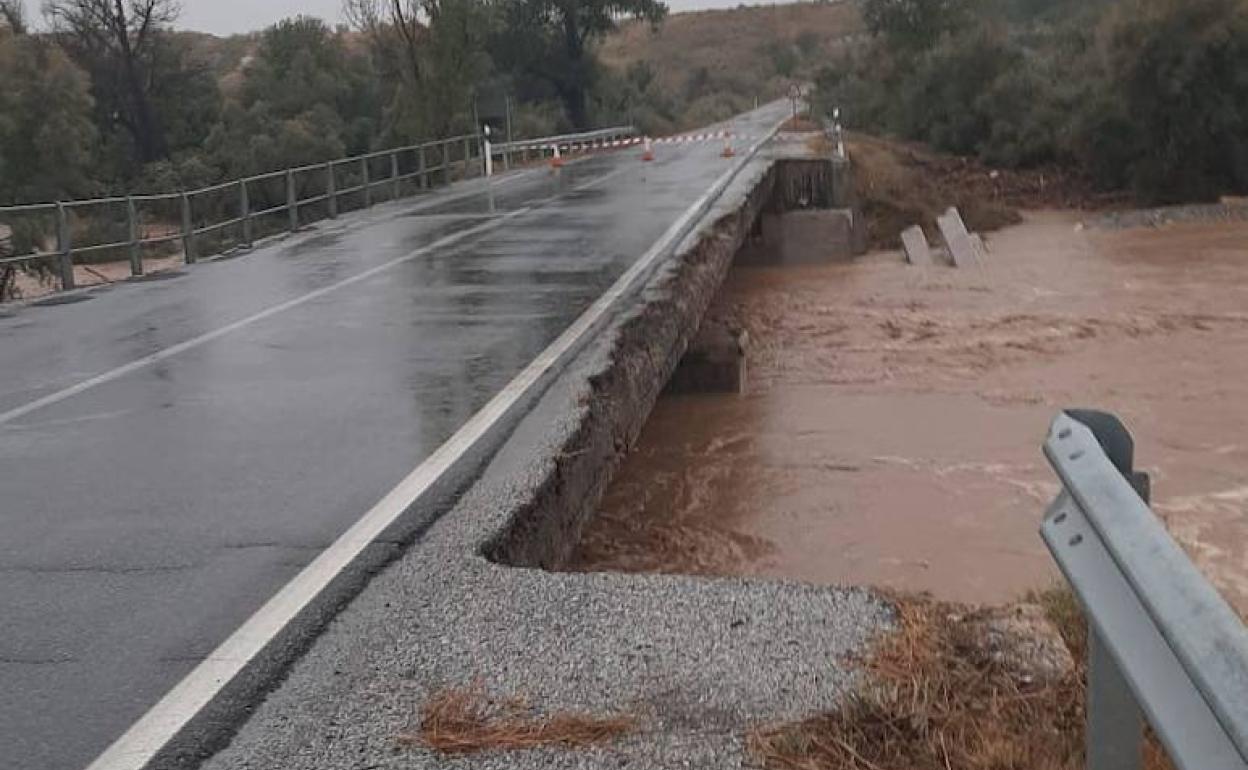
(1149, 95)
(1181, 71)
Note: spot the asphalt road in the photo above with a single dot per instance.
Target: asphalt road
(174, 450)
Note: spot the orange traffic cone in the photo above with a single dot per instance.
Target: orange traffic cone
(556, 160)
(728, 152)
(648, 153)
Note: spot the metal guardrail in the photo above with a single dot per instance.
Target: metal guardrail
(1163, 645)
(244, 203)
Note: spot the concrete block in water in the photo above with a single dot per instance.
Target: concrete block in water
(914, 243)
(957, 239)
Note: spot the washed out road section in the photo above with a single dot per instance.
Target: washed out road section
(148, 515)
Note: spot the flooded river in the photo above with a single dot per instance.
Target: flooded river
(891, 430)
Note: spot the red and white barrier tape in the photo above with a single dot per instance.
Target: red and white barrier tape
(633, 141)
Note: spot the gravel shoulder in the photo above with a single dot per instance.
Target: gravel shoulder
(698, 662)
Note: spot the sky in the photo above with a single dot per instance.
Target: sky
(228, 17)
(225, 17)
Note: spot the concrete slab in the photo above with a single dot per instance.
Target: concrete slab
(914, 243)
(957, 239)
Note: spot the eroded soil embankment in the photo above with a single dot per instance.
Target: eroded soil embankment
(891, 430)
(647, 349)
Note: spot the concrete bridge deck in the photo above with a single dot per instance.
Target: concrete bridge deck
(174, 450)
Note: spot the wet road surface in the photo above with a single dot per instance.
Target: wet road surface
(891, 431)
(173, 451)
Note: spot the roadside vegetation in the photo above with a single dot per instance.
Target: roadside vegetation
(958, 687)
(1144, 96)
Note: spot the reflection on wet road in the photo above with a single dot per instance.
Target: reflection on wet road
(147, 515)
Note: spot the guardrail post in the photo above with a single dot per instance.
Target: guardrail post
(445, 152)
(132, 228)
(467, 154)
(394, 173)
(368, 186)
(188, 234)
(187, 231)
(1115, 724)
(292, 203)
(422, 177)
(244, 210)
(510, 138)
(331, 190)
(65, 246)
(1115, 732)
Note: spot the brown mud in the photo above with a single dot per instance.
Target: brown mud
(891, 430)
(901, 183)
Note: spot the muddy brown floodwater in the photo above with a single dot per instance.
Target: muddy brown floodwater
(891, 431)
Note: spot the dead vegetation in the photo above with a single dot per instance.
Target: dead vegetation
(900, 184)
(463, 720)
(934, 698)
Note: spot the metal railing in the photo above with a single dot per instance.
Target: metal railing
(1163, 645)
(212, 219)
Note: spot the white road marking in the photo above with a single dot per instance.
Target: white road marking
(161, 724)
(194, 342)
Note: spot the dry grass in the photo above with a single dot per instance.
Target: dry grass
(931, 702)
(464, 721)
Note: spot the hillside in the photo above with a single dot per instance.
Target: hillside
(717, 60)
(706, 65)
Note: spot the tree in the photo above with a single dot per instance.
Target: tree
(13, 16)
(435, 53)
(46, 134)
(553, 40)
(914, 25)
(305, 98)
(46, 141)
(185, 94)
(117, 43)
(1179, 70)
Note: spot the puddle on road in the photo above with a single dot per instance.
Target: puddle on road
(892, 426)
